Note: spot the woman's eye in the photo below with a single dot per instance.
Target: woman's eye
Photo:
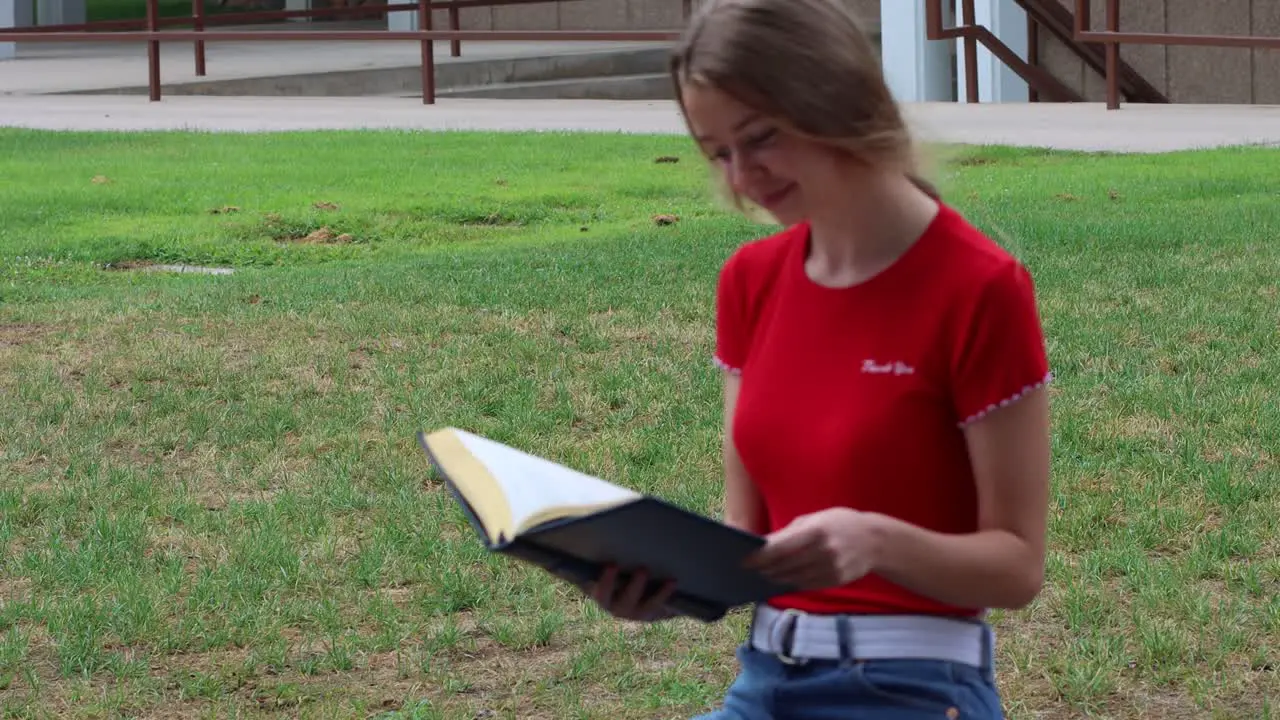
(762, 137)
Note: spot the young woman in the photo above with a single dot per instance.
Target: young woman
(885, 415)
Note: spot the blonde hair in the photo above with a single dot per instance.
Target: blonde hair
(807, 64)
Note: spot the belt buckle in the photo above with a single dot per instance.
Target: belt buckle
(783, 652)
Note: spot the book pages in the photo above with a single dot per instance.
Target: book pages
(537, 489)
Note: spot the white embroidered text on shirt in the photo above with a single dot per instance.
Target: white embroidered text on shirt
(871, 367)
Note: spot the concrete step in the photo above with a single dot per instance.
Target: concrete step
(647, 86)
(454, 73)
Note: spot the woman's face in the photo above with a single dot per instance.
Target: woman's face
(787, 175)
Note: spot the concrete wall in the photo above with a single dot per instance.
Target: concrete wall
(574, 15)
(603, 15)
(1184, 74)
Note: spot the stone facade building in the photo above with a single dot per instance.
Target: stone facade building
(1182, 74)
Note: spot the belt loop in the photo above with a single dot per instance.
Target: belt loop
(789, 620)
(988, 651)
(844, 635)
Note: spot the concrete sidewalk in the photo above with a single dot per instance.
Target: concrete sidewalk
(1091, 127)
(1085, 126)
(53, 68)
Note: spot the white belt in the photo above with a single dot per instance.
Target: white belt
(796, 637)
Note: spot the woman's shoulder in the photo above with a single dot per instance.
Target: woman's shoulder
(975, 247)
(756, 260)
(970, 258)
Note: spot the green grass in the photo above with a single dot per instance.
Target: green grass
(211, 500)
(99, 10)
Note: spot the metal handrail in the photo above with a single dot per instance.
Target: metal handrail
(153, 35)
(1039, 79)
(1112, 38)
(1054, 17)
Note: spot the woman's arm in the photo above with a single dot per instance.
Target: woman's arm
(743, 507)
(1001, 565)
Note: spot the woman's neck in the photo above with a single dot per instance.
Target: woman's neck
(860, 234)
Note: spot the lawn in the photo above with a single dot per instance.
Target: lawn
(211, 499)
(98, 10)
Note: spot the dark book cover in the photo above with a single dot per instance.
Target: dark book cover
(703, 556)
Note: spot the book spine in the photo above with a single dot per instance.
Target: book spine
(467, 511)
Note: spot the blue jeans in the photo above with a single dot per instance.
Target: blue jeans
(768, 689)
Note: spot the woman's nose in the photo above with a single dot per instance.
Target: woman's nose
(739, 174)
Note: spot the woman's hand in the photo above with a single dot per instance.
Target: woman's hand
(825, 549)
(629, 602)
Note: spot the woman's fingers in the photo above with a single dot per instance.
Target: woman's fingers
(655, 606)
(602, 591)
(633, 594)
(629, 601)
(795, 570)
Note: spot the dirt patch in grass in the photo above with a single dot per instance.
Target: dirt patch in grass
(486, 681)
(18, 334)
(285, 230)
(14, 590)
(322, 236)
(1144, 426)
(152, 266)
(124, 265)
(1035, 686)
(493, 219)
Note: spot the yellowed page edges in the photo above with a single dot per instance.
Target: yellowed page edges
(473, 480)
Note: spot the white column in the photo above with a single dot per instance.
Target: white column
(298, 5)
(916, 68)
(996, 82)
(403, 20)
(60, 12)
(14, 13)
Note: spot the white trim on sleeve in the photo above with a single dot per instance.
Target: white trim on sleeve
(1005, 402)
(725, 366)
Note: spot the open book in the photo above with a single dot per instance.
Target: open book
(573, 524)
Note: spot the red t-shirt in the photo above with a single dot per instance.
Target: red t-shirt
(857, 396)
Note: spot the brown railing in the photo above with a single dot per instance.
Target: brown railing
(1042, 84)
(1120, 77)
(148, 30)
(1054, 17)
(1112, 38)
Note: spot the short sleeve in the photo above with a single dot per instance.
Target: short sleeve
(1000, 352)
(731, 322)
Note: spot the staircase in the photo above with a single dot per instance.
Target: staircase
(630, 75)
(605, 71)
(619, 73)
(639, 74)
(1058, 20)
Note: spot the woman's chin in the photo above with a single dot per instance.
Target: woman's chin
(784, 214)
(785, 210)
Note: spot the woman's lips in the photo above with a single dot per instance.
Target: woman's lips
(772, 199)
